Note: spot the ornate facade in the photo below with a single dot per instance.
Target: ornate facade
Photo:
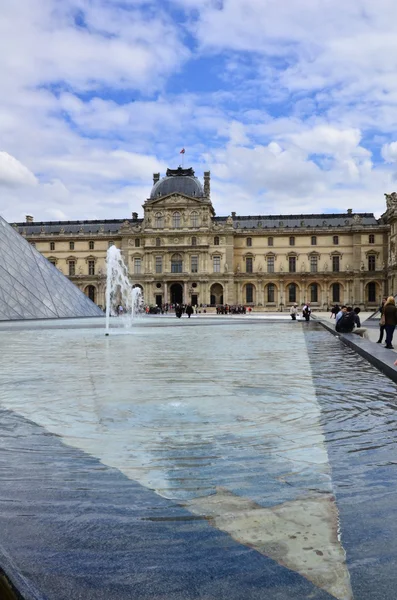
(181, 252)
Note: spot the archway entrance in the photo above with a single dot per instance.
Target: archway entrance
(176, 293)
(91, 292)
(216, 293)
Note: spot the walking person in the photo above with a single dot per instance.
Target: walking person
(306, 312)
(189, 310)
(381, 321)
(390, 312)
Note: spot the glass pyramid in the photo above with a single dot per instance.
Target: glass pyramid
(33, 288)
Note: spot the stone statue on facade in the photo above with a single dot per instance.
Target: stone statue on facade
(357, 220)
(391, 200)
(325, 266)
(226, 268)
(229, 220)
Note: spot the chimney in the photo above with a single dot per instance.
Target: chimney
(134, 216)
(29, 219)
(349, 211)
(233, 214)
(207, 185)
(156, 178)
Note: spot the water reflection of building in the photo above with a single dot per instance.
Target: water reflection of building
(180, 251)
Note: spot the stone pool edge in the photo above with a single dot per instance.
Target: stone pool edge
(378, 356)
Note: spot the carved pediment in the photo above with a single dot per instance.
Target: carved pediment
(173, 200)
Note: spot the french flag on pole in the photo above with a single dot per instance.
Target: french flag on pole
(182, 151)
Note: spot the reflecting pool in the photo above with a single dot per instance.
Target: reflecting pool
(198, 458)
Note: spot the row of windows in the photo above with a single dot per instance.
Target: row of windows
(72, 267)
(270, 242)
(314, 292)
(176, 220)
(177, 264)
(91, 245)
(313, 264)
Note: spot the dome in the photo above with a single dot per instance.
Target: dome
(178, 181)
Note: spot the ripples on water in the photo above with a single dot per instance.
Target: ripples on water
(184, 410)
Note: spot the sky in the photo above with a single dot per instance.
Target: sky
(292, 104)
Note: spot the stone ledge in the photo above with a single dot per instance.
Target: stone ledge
(377, 355)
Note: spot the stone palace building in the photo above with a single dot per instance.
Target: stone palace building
(179, 251)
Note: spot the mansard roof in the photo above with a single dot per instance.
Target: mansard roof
(301, 221)
(113, 226)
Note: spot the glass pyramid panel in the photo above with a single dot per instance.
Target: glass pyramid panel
(33, 288)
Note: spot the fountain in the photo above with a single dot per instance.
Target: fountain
(119, 291)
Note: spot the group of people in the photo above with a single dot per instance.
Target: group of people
(226, 309)
(183, 308)
(348, 321)
(306, 311)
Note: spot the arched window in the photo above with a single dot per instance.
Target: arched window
(194, 241)
(371, 238)
(194, 219)
(371, 291)
(216, 241)
(335, 289)
(159, 220)
(91, 245)
(52, 245)
(176, 263)
(249, 293)
(292, 292)
(158, 242)
(271, 289)
(176, 220)
(371, 262)
(249, 242)
(313, 291)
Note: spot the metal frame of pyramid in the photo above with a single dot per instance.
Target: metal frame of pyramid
(33, 288)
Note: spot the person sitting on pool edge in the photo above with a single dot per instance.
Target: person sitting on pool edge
(349, 319)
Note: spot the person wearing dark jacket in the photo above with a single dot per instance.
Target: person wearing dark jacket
(189, 310)
(178, 310)
(381, 322)
(390, 313)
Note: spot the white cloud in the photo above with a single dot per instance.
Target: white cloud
(14, 173)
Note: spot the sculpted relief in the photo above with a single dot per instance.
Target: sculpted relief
(391, 200)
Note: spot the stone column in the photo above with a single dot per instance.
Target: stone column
(185, 293)
(165, 293)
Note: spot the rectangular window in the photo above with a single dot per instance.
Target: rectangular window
(371, 262)
(335, 240)
(313, 264)
(248, 264)
(270, 264)
(336, 264)
(52, 245)
(91, 267)
(217, 264)
(137, 265)
(91, 245)
(292, 264)
(72, 268)
(270, 241)
(314, 240)
(159, 264)
(270, 292)
(71, 245)
(194, 264)
(292, 241)
(137, 243)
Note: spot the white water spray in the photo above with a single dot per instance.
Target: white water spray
(119, 291)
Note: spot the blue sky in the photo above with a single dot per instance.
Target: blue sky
(292, 105)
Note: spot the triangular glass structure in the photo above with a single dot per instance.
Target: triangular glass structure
(33, 288)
